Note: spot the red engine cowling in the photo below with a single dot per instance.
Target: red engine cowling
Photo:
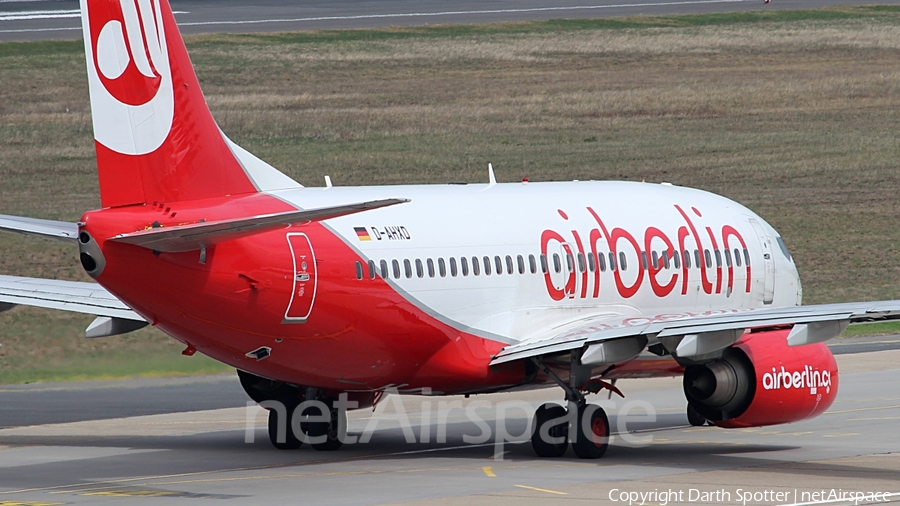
(761, 380)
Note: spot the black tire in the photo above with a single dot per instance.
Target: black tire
(332, 431)
(291, 442)
(695, 418)
(545, 414)
(592, 438)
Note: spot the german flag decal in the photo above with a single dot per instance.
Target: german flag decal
(362, 233)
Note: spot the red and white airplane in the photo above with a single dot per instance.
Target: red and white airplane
(450, 289)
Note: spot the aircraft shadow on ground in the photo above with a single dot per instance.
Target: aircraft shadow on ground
(212, 451)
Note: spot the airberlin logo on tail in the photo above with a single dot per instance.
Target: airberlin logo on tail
(130, 78)
(809, 377)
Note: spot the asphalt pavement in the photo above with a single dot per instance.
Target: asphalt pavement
(443, 451)
(59, 19)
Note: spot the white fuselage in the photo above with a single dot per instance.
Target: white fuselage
(562, 228)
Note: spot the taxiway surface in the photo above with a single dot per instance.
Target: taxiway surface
(59, 19)
(211, 454)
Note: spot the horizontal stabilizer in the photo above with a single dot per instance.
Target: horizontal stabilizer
(195, 236)
(59, 230)
(76, 296)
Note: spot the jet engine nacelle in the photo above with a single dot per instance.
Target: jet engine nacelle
(760, 380)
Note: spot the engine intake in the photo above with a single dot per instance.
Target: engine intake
(763, 381)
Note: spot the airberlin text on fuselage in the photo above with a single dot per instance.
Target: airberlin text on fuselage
(663, 281)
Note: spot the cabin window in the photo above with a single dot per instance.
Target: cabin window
(509, 264)
(718, 258)
(623, 265)
(570, 262)
(420, 271)
(396, 265)
(407, 268)
(476, 267)
(737, 257)
(532, 265)
(384, 269)
(359, 270)
(644, 260)
(697, 261)
(372, 272)
(612, 262)
(676, 259)
(498, 263)
(544, 267)
(601, 259)
(521, 264)
(728, 257)
(665, 259)
(580, 258)
(654, 256)
(557, 266)
(592, 265)
(430, 264)
(708, 258)
(746, 257)
(453, 270)
(487, 266)
(464, 266)
(442, 267)
(687, 259)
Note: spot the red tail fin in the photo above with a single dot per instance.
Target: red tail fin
(156, 139)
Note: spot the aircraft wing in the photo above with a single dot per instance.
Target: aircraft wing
(77, 296)
(702, 332)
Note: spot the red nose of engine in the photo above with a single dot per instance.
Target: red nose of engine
(763, 381)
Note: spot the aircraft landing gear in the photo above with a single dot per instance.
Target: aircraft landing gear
(329, 435)
(288, 427)
(584, 426)
(551, 430)
(593, 432)
(281, 433)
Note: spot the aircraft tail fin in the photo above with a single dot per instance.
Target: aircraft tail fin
(155, 137)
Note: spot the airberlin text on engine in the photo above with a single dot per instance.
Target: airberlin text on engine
(714, 277)
(809, 377)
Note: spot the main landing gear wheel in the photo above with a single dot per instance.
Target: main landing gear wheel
(695, 418)
(289, 440)
(331, 430)
(592, 432)
(543, 440)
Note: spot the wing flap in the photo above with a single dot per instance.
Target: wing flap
(76, 296)
(196, 236)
